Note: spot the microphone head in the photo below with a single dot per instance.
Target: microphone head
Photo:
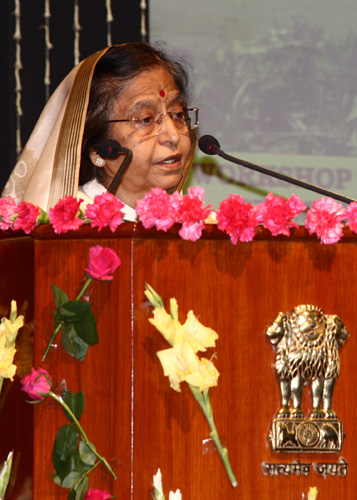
(109, 149)
(208, 144)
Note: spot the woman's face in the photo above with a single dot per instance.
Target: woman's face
(158, 158)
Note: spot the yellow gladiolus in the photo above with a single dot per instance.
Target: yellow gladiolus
(8, 332)
(206, 375)
(204, 336)
(312, 495)
(178, 362)
(164, 323)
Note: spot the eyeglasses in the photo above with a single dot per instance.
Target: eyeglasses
(147, 122)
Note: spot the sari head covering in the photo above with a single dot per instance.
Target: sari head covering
(48, 168)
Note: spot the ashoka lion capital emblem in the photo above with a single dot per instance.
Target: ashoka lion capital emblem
(307, 344)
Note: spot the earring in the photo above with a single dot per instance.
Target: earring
(99, 162)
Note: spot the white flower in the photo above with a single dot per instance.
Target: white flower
(175, 496)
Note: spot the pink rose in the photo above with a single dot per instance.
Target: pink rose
(63, 216)
(102, 263)
(27, 217)
(8, 209)
(105, 211)
(97, 495)
(37, 384)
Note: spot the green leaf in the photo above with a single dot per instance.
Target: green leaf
(59, 295)
(86, 454)
(75, 401)
(87, 329)
(66, 443)
(73, 344)
(71, 479)
(81, 487)
(73, 311)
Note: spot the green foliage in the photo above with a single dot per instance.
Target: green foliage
(77, 322)
(75, 401)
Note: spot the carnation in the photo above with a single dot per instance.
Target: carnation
(351, 212)
(156, 209)
(105, 211)
(27, 217)
(276, 213)
(237, 218)
(325, 219)
(191, 212)
(63, 216)
(8, 209)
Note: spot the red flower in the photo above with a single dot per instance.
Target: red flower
(191, 212)
(156, 209)
(105, 211)
(97, 495)
(351, 212)
(276, 213)
(27, 217)
(325, 219)
(102, 263)
(237, 218)
(7, 211)
(37, 384)
(63, 216)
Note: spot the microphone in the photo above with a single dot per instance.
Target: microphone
(111, 149)
(210, 146)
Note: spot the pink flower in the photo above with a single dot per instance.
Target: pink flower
(102, 263)
(8, 209)
(276, 213)
(37, 384)
(156, 209)
(105, 211)
(351, 213)
(97, 495)
(63, 216)
(237, 218)
(324, 218)
(27, 217)
(192, 231)
(191, 212)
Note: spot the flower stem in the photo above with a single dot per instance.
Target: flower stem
(54, 334)
(81, 430)
(61, 323)
(203, 400)
(84, 288)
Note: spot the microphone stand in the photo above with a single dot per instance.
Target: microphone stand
(117, 178)
(216, 150)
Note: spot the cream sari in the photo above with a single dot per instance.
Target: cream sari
(48, 168)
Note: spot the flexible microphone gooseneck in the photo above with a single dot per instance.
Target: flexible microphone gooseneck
(110, 149)
(210, 146)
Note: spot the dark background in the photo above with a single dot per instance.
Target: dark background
(93, 36)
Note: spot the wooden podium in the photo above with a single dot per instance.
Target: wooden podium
(131, 414)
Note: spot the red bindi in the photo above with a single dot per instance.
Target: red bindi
(162, 93)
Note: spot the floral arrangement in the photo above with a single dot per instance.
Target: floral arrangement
(74, 456)
(158, 493)
(74, 317)
(326, 217)
(181, 363)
